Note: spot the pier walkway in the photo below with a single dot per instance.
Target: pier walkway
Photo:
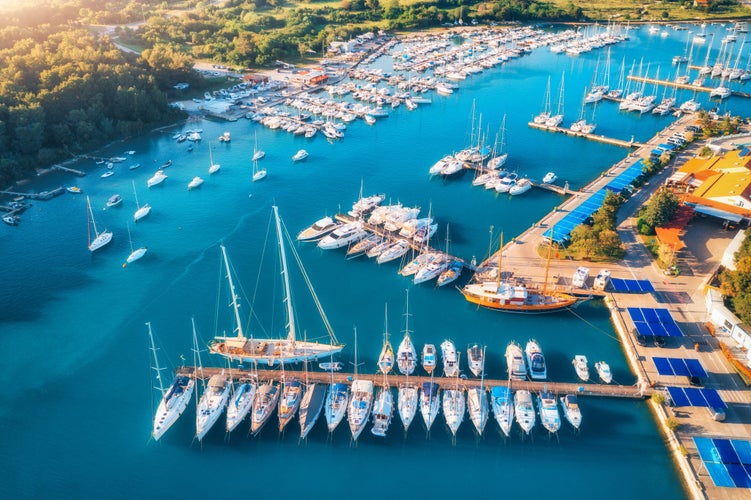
(686, 86)
(583, 389)
(592, 137)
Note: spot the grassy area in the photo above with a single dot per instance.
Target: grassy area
(650, 11)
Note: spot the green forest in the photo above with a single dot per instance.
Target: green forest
(736, 285)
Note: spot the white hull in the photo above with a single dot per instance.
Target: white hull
(172, 405)
(525, 411)
(136, 254)
(360, 406)
(429, 404)
(477, 406)
(212, 404)
(408, 401)
(240, 404)
(453, 408)
(263, 406)
(336, 405)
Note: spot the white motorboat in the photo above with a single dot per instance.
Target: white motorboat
(571, 410)
(300, 155)
(240, 403)
(517, 369)
(100, 239)
(156, 179)
(505, 184)
(394, 251)
(549, 416)
(141, 210)
(407, 403)
(195, 182)
(336, 405)
(383, 410)
(524, 410)
(343, 236)
(364, 205)
(429, 358)
(108, 173)
(450, 359)
(289, 402)
(476, 359)
(477, 407)
(549, 178)
(174, 399)
(535, 361)
(580, 364)
(521, 187)
(503, 408)
(212, 403)
(264, 403)
(430, 400)
(453, 408)
(318, 229)
(360, 405)
(310, 407)
(431, 270)
(603, 370)
(78, 190)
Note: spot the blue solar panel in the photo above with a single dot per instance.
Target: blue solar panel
(719, 475)
(664, 315)
(678, 396)
(706, 449)
(646, 286)
(743, 449)
(663, 366)
(643, 328)
(650, 315)
(636, 314)
(739, 475)
(617, 284)
(726, 451)
(690, 396)
(673, 330)
(713, 398)
(658, 329)
(679, 367)
(695, 369)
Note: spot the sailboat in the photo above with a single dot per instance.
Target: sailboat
(383, 410)
(270, 350)
(311, 404)
(508, 296)
(264, 403)
(503, 408)
(257, 153)
(289, 401)
(557, 118)
(258, 173)
(386, 358)
(430, 399)
(174, 400)
(213, 400)
(134, 254)
(360, 402)
(141, 211)
(240, 402)
(454, 406)
(500, 156)
(407, 400)
(477, 404)
(336, 403)
(547, 110)
(213, 167)
(100, 239)
(406, 356)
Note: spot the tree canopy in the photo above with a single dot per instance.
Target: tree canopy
(736, 285)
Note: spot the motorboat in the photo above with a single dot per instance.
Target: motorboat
(78, 190)
(108, 173)
(336, 405)
(517, 369)
(453, 408)
(240, 403)
(406, 356)
(289, 402)
(100, 238)
(505, 184)
(360, 405)
(580, 364)
(212, 403)
(343, 236)
(310, 407)
(394, 251)
(300, 155)
(603, 370)
(114, 200)
(407, 403)
(451, 272)
(477, 407)
(318, 229)
(441, 164)
(450, 359)
(524, 410)
(196, 182)
(549, 416)
(383, 410)
(331, 366)
(501, 402)
(429, 358)
(264, 403)
(430, 399)
(365, 205)
(535, 361)
(549, 178)
(156, 179)
(521, 187)
(571, 410)
(476, 359)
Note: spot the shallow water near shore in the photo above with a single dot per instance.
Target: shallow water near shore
(77, 399)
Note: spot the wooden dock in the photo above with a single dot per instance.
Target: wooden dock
(564, 190)
(583, 389)
(73, 171)
(686, 86)
(44, 195)
(592, 137)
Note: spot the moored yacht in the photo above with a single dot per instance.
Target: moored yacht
(476, 359)
(383, 410)
(336, 404)
(240, 403)
(477, 407)
(517, 369)
(450, 359)
(406, 357)
(393, 251)
(603, 370)
(195, 182)
(502, 405)
(310, 407)
(264, 403)
(300, 155)
(453, 408)
(535, 361)
(571, 410)
(289, 402)
(156, 179)
(212, 403)
(524, 409)
(343, 236)
(407, 403)
(580, 364)
(360, 405)
(318, 229)
(549, 415)
(429, 358)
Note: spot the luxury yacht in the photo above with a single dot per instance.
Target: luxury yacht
(571, 410)
(476, 359)
(517, 369)
(580, 364)
(318, 230)
(535, 361)
(525, 411)
(342, 236)
(157, 178)
(549, 415)
(450, 359)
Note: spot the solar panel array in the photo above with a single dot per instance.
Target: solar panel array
(728, 461)
(631, 286)
(654, 322)
(562, 230)
(691, 396)
(680, 367)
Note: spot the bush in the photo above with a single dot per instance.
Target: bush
(658, 398)
(672, 424)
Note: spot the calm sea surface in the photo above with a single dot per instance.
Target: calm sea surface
(77, 398)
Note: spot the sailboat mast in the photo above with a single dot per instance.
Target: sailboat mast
(285, 274)
(547, 264)
(196, 352)
(91, 214)
(135, 194)
(500, 262)
(156, 361)
(236, 308)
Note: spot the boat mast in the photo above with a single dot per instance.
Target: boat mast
(236, 308)
(285, 274)
(547, 265)
(156, 361)
(196, 351)
(500, 261)
(91, 214)
(136, 194)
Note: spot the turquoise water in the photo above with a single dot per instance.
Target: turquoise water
(76, 403)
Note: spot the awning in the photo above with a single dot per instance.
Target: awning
(720, 214)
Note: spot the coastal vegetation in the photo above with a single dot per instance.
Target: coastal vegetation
(660, 209)
(735, 285)
(599, 240)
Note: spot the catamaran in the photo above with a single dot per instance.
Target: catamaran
(174, 400)
(274, 351)
(100, 239)
(503, 407)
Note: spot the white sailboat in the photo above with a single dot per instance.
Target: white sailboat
(557, 118)
(213, 167)
(134, 254)
(476, 359)
(383, 410)
(141, 211)
(174, 400)
(258, 173)
(257, 153)
(386, 358)
(311, 404)
(430, 400)
(289, 401)
(454, 407)
(477, 404)
(213, 400)
(503, 408)
(240, 402)
(336, 403)
(408, 397)
(406, 356)
(100, 239)
(360, 402)
(270, 350)
(547, 109)
(264, 403)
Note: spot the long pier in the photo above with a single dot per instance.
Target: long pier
(592, 137)
(686, 86)
(583, 389)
